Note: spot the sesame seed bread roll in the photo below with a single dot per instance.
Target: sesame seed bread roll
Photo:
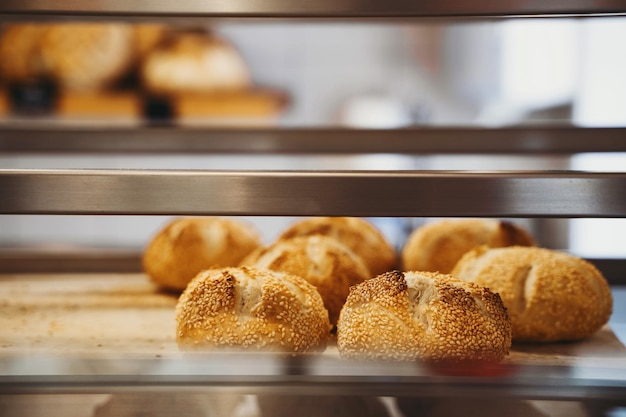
(251, 309)
(551, 296)
(437, 246)
(356, 233)
(324, 262)
(186, 246)
(423, 315)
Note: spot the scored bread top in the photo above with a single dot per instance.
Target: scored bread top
(423, 315)
(323, 261)
(362, 237)
(248, 308)
(550, 295)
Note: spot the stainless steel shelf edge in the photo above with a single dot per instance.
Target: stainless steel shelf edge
(312, 376)
(51, 260)
(318, 8)
(426, 140)
(306, 193)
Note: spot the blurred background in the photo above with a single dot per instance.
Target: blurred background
(313, 74)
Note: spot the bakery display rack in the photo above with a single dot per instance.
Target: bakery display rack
(121, 337)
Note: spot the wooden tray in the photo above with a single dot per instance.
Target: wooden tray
(125, 314)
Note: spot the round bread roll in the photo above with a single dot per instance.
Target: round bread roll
(187, 246)
(248, 308)
(423, 315)
(437, 246)
(550, 295)
(87, 56)
(356, 233)
(321, 260)
(194, 62)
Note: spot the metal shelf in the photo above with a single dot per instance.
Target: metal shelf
(316, 375)
(306, 193)
(318, 8)
(79, 259)
(427, 140)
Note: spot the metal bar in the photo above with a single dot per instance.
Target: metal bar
(107, 260)
(317, 8)
(265, 375)
(306, 193)
(428, 140)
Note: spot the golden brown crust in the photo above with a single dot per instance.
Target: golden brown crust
(323, 261)
(423, 315)
(356, 233)
(437, 246)
(550, 295)
(194, 62)
(87, 56)
(248, 308)
(187, 246)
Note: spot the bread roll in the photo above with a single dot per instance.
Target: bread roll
(194, 62)
(550, 295)
(423, 315)
(187, 246)
(87, 56)
(356, 233)
(323, 261)
(437, 246)
(248, 308)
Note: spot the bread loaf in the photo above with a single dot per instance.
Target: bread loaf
(323, 261)
(186, 246)
(550, 295)
(437, 246)
(194, 62)
(251, 309)
(356, 233)
(423, 315)
(87, 56)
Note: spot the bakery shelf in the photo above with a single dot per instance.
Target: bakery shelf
(306, 193)
(95, 138)
(116, 333)
(319, 8)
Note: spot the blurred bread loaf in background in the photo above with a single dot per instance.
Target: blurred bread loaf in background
(194, 62)
(139, 71)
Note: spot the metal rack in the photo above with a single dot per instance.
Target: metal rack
(23, 138)
(362, 193)
(320, 8)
